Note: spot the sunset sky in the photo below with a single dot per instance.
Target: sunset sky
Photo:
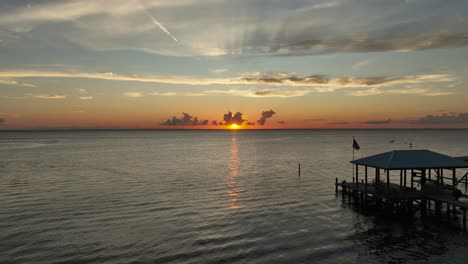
(197, 63)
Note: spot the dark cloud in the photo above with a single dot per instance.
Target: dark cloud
(214, 123)
(314, 119)
(281, 122)
(453, 118)
(185, 120)
(340, 123)
(2, 121)
(265, 116)
(250, 123)
(377, 122)
(292, 79)
(405, 43)
(230, 119)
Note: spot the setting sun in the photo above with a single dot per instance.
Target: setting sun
(234, 126)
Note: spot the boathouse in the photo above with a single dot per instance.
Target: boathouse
(411, 179)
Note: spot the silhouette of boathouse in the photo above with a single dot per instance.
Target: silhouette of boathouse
(424, 178)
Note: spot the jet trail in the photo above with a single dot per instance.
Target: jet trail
(159, 25)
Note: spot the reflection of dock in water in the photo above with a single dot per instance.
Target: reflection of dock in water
(422, 184)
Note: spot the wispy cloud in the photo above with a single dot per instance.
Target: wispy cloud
(372, 91)
(378, 122)
(86, 97)
(452, 118)
(260, 93)
(404, 91)
(15, 83)
(48, 96)
(281, 27)
(165, 94)
(219, 70)
(270, 79)
(133, 94)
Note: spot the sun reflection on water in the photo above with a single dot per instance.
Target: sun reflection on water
(234, 187)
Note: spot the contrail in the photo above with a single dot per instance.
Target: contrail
(162, 27)
(158, 24)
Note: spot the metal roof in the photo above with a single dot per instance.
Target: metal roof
(411, 159)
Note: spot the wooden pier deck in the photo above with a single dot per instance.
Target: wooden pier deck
(394, 194)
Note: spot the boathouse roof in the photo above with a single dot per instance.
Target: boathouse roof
(411, 159)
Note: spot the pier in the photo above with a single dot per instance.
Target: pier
(408, 181)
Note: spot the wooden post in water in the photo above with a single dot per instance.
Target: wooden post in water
(464, 219)
(454, 177)
(336, 185)
(299, 169)
(448, 211)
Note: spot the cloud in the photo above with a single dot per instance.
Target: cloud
(243, 27)
(378, 122)
(270, 93)
(265, 116)
(281, 122)
(231, 118)
(318, 82)
(16, 83)
(219, 70)
(214, 123)
(86, 97)
(2, 121)
(185, 120)
(394, 43)
(372, 91)
(133, 94)
(48, 96)
(165, 94)
(446, 119)
(340, 123)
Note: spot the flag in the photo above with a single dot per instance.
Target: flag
(356, 145)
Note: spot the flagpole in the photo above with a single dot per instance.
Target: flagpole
(353, 159)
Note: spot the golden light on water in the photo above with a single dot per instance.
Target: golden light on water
(234, 187)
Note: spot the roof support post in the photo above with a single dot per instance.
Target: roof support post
(401, 178)
(365, 175)
(357, 175)
(388, 179)
(405, 179)
(412, 178)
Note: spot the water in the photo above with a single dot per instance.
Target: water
(207, 197)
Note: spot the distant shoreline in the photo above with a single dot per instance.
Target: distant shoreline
(238, 130)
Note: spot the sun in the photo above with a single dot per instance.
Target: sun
(234, 126)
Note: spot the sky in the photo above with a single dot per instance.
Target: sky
(208, 64)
